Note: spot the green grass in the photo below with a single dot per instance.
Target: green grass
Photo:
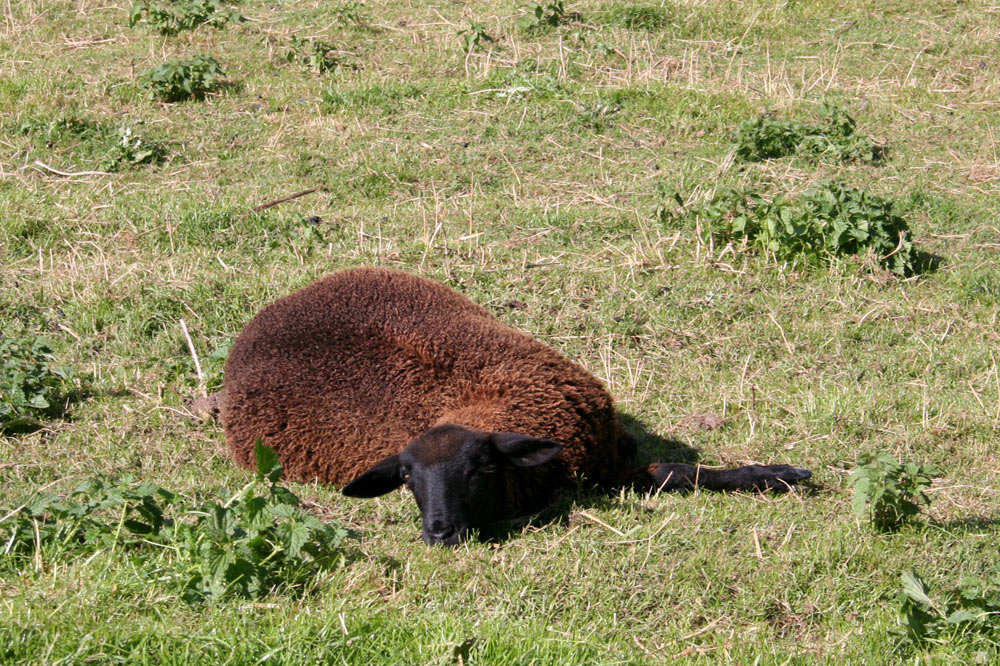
(525, 173)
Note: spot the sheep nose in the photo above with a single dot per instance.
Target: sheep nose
(439, 533)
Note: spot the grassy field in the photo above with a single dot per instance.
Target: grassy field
(559, 169)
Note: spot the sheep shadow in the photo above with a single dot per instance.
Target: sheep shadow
(651, 447)
(968, 524)
(925, 262)
(654, 447)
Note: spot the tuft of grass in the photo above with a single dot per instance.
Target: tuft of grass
(385, 96)
(635, 16)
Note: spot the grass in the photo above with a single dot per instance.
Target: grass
(525, 173)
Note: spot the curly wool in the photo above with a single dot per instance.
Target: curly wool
(350, 369)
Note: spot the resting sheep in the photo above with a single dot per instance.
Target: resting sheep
(375, 379)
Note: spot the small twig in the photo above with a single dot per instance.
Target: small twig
(194, 355)
(602, 523)
(899, 246)
(71, 175)
(756, 545)
(697, 632)
(269, 204)
(788, 345)
(563, 537)
(38, 545)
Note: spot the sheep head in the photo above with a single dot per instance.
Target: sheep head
(458, 476)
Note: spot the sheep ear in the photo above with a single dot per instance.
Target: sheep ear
(379, 480)
(525, 451)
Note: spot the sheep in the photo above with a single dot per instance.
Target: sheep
(374, 379)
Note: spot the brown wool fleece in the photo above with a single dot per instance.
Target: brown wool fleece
(350, 369)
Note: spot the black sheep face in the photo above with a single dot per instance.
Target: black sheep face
(458, 476)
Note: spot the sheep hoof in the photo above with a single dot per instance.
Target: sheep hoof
(780, 478)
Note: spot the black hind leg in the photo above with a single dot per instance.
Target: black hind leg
(678, 476)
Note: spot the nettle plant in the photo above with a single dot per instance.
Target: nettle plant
(351, 14)
(888, 493)
(252, 544)
(475, 37)
(542, 17)
(177, 80)
(255, 542)
(179, 15)
(971, 608)
(836, 137)
(111, 147)
(826, 222)
(32, 386)
(131, 150)
(315, 54)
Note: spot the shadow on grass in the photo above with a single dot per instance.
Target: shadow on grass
(652, 447)
(558, 513)
(970, 524)
(925, 263)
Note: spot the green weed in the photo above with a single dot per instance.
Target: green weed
(255, 542)
(32, 386)
(352, 13)
(972, 610)
(100, 144)
(828, 221)
(526, 80)
(177, 80)
(315, 54)
(98, 513)
(887, 493)
(475, 37)
(179, 15)
(131, 150)
(766, 138)
(542, 17)
(598, 116)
